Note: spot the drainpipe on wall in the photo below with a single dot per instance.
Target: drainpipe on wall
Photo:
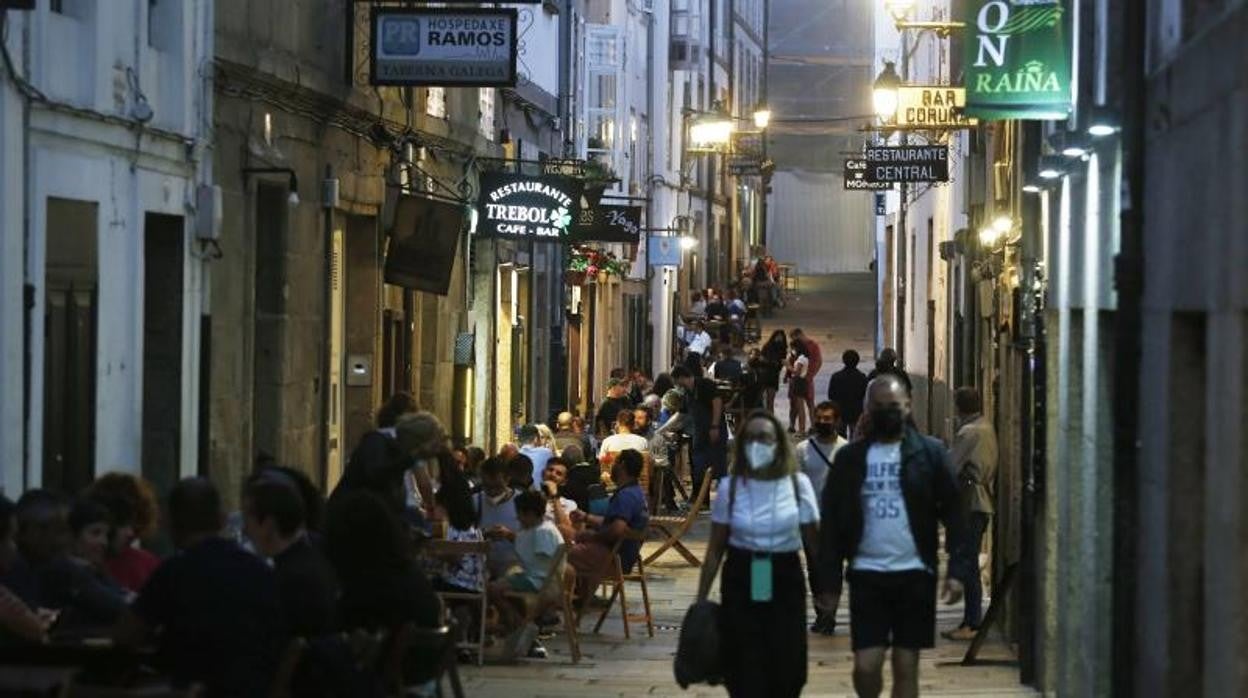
(1129, 281)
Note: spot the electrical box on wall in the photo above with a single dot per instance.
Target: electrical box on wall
(208, 212)
(359, 370)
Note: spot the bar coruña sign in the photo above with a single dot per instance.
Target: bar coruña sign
(935, 107)
(521, 206)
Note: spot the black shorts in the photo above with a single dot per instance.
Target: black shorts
(896, 609)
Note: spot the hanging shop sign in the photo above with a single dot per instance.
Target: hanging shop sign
(608, 223)
(881, 205)
(907, 163)
(564, 167)
(936, 107)
(856, 177)
(443, 47)
(522, 207)
(664, 250)
(1018, 59)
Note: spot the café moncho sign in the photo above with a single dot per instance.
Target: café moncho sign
(907, 163)
(1018, 59)
(856, 177)
(525, 207)
(443, 47)
(935, 107)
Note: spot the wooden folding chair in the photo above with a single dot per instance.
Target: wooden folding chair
(468, 548)
(436, 644)
(556, 592)
(617, 579)
(675, 527)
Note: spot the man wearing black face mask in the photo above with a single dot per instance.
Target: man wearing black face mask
(814, 457)
(883, 498)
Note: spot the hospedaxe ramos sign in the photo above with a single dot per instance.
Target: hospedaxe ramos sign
(443, 47)
(1018, 59)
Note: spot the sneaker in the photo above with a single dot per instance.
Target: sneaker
(962, 633)
(520, 640)
(537, 651)
(824, 625)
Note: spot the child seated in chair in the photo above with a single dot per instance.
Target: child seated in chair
(537, 543)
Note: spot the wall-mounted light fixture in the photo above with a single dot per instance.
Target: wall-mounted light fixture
(293, 183)
(1102, 122)
(1052, 167)
(884, 92)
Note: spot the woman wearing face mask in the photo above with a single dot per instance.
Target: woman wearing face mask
(765, 512)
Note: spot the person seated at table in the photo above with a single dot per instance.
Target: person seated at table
(581, 475)
(97, 598)
(699, 347)
(728, 367)
(626, 510)
(496, 511)
(715, 308)
(736, 307)
(61, 560)
(133, 510)
(274, 516)
(520, 473)
(558, 507)
(213, 608)
(643, 417)
(697, 305)
(623, 439)
(463, 573)
(382, 586)
(19, 623)
(537, 543)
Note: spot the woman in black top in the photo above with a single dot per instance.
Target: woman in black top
(774, 353)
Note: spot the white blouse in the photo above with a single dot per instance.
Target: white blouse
(766, 516)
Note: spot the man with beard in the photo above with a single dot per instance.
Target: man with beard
(883, 498)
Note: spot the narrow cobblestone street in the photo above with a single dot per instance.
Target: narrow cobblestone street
(838, 313)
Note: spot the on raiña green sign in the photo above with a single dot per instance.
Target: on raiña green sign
(1018, 59)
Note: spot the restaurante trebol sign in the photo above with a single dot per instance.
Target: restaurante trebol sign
(1018, 63)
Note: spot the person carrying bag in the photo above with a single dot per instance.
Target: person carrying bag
(757, 532)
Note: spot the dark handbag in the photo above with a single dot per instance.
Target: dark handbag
(698, 656)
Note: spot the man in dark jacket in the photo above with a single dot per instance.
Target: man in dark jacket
(886, 365)
(847, 388)
(883, 498)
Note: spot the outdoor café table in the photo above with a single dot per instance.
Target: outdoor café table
(96, 658)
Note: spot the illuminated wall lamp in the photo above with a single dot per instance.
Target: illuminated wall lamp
(1052, 167)
(1102, 122)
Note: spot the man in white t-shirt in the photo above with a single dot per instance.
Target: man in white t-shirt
(814, 457)
(624, 439)
(883, 498)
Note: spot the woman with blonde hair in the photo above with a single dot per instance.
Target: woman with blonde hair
(764, 514)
